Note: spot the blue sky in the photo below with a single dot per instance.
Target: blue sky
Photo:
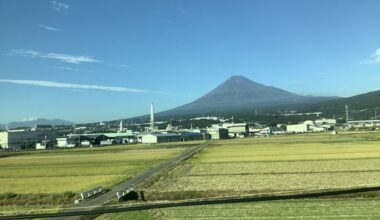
(95, 60)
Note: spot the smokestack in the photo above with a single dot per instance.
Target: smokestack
(151, 117)
(121, 126)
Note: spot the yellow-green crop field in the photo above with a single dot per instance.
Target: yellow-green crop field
(275, 165)
(368, 208)
(54, 178)
(282, 164)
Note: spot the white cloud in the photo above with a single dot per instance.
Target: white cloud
(67, 58)
(23, 53)
(49, 28)
(59, 6)
(374, 58)
(70, 85)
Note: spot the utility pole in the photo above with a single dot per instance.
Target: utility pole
(346, 114)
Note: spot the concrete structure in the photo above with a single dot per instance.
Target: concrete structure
(317, 128)
(364, 123)
(308, 122)
(299, 128)
(206, 118)
(65, 142)
(117, 137)
(325, 121)
(292, 113)
(265, 132)
(151, 117)
(25, 138)
(85, 143)
(159, 138)
(218, 133)
(194, 136)
(106, 142)
(236, 129)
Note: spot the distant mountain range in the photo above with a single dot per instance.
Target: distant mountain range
(31, 123)
(239, 94)
(363, 106)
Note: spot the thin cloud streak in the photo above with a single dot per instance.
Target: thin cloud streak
(70, 85)
(67, 58)
(374, 58)
(59, 6)
(49, 28)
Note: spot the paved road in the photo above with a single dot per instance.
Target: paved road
(94, 203)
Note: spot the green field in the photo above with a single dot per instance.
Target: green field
(274, 165)
(54, 178)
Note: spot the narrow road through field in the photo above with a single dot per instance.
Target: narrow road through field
(97, 202)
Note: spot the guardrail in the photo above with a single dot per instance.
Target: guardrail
(91, 192)
(120, 194)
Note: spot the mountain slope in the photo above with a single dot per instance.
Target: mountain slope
(238, 94)
(361, 106)
(39, 121)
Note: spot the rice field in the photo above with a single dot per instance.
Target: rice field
(41, 181)
(302, 209)
(365, 208)
(276, 165)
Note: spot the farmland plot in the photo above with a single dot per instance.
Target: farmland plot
(275, 165)
(53, 179)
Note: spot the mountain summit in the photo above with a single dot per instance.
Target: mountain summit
(239, 93)
(239, 89)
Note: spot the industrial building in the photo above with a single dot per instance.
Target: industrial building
(325, 121)
(154, 138)
(217, 133)
(299, 128)
(194, 136)
(27, 138)
(65, 142)
(236, 129)
(104, 138)
(364, 123)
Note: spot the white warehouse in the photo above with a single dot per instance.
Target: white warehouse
(25, 138)
(299, 128)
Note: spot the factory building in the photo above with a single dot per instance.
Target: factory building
(65, 142)
(27, 138)
(236, 129)
(299, 128)
(194, 136)
(159, 138)
(364, 123)
(104, 138)
(323, 121)
(217, 133)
